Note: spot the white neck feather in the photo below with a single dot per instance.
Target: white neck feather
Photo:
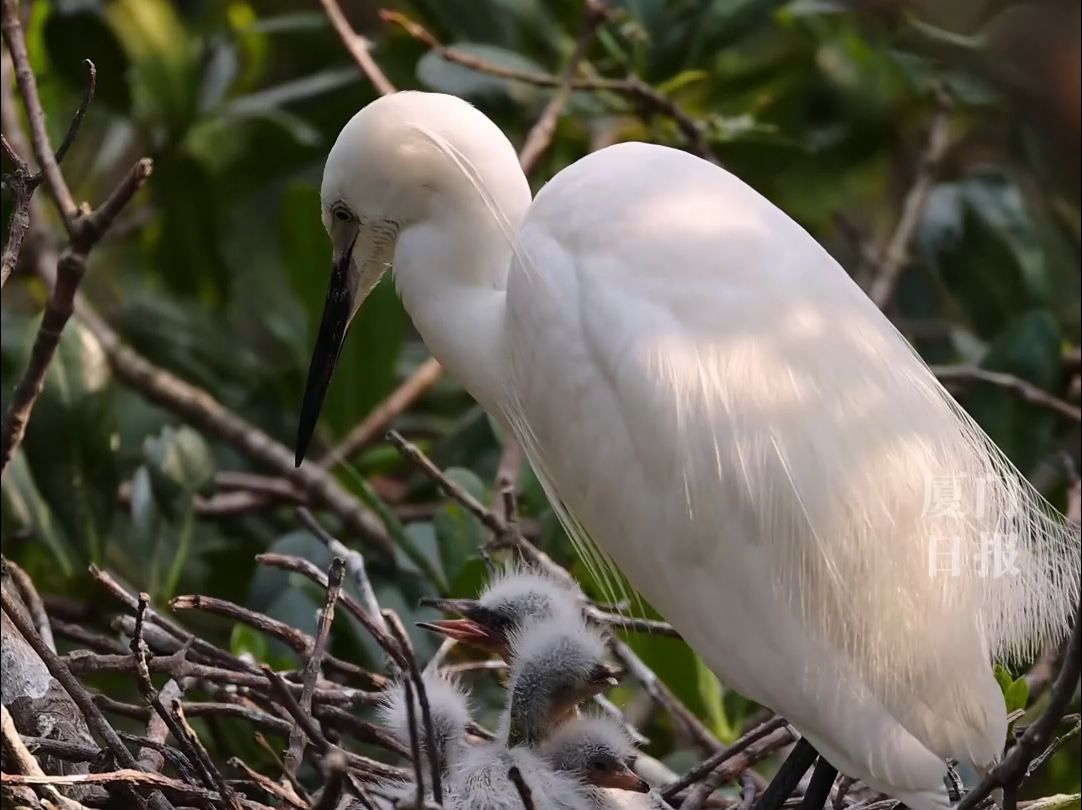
(451, 275)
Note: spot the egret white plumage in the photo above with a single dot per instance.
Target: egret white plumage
(705, 393)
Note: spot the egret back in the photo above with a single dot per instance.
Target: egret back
(702, 387)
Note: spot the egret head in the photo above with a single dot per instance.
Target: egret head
(597, 751)
(512, 599)
(556, 665)
(404, 161)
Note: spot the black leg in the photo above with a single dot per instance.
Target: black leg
(788, 776)
(819, 787)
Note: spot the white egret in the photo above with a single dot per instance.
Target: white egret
(706, 394)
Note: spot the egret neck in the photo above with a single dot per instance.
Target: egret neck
(451, 276)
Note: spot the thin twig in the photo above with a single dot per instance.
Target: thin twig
(80, 113)
(17, 755)
(295, 751)
(268, 785)
(130, 778)
(192, 741)
(540, 135)
(712, 762)
(95, 720)
(150, 758)
(488, 518)
(354, 563)
(664, 696)
(398, 631)
(380, 418)
(32, 599)
(1024, 389)
(374, 627)
(152, 698)
(415, 742)
(895, 255)
(39, 134)
(1013, 768)
(297, 640)
(357, 47)
(632, 87)
(59, 307)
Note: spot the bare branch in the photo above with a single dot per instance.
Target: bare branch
(373, 626)
(632, 87)
(540, 135)
(1024, 389)
(32, 599)
(714, 761)
(895, 255)
(381, 417)
(95, 720)
(80, 113)
(1015, 766)
(18, 755)
(295, 751)
(398, 631)
(39, 134)
(357, 47)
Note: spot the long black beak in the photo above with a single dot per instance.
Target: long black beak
(332, 332)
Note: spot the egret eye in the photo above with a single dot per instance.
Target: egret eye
(342, 215)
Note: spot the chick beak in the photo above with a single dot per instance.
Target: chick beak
(625, 779)
(605, 677)
(466, 631)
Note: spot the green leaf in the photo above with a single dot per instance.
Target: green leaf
(246, 641)
(180, 464)
(689, 678)
(146, 520)
(1016, 696)
(71, 438)
(26, 512)
(1003, 678)
(1029, 348)
(674, 662)
(711, 693)
(164, 74)
(460, 534)
(414, 557)
(979, 238)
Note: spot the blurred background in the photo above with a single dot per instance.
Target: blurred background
(934, 144)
